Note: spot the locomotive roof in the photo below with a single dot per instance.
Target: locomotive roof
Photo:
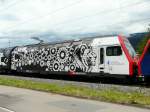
(68, 41)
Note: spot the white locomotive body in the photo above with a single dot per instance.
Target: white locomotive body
(112, 55)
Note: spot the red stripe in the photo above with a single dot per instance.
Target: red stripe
(71, 73)
(130, 59)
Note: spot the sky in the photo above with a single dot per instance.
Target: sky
(54, 20)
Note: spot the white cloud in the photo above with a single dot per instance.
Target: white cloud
(25, 18)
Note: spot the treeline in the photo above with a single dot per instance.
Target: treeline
(142, 43)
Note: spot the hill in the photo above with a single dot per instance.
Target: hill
(136, 38)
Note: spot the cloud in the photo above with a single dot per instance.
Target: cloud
(8, 17)
(54, 20)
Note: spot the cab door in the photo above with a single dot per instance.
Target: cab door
(102, 59)
(116, 60)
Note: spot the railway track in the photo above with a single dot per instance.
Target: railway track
(90, 82)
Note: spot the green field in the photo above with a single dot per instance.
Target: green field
(109, 95)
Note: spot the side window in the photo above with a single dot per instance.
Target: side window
(101, 55)
(2, 59)
(113, 51)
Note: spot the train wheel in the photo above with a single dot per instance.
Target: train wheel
(131, 80)
(147, 80)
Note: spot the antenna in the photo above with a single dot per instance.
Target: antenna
(38, 39)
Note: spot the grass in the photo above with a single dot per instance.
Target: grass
(110, 95)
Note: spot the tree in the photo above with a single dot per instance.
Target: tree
(142, 43)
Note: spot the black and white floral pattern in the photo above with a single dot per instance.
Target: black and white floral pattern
(79, 57)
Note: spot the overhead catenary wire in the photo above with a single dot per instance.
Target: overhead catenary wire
(102, 27)
(76, 19)
(66, 22)
(116, 24)
(97, 14)
(13, 4)
(50, 13)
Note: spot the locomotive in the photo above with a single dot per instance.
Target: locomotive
(108, 56)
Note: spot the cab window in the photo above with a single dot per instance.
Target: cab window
(113, 51)
(130, 48)
(2, 59)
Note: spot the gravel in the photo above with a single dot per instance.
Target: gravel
(92, 85)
